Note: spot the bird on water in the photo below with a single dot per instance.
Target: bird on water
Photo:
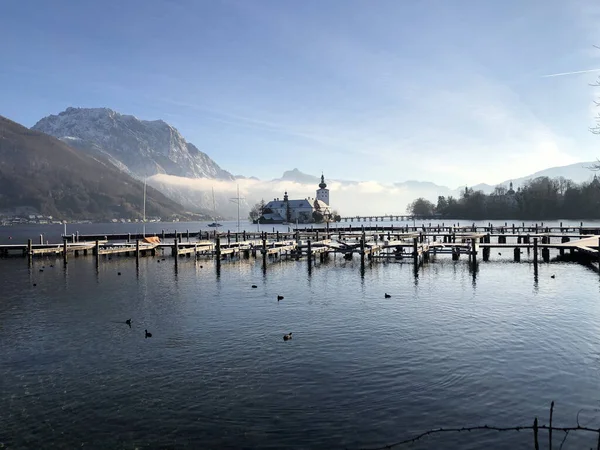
(287, 337)
(128, 322)
(387, 295)
(553, 276)
(280, 297)
(148, 334)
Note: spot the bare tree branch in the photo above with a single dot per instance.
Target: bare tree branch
(483, 427)
(563, 441)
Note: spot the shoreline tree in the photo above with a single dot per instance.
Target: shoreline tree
(257, 211)
(541, 198)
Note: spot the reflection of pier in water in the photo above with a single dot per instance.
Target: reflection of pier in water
(416, 245)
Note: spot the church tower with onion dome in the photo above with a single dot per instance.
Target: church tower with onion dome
(323, 192)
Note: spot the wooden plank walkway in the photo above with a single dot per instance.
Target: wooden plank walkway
(126, 248)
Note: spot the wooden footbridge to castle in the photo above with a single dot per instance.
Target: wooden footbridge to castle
(415, 245)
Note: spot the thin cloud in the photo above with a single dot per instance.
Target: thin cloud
(570, 73)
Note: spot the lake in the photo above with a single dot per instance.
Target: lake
(453, 346)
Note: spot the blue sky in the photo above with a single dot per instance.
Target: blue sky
(447, 91)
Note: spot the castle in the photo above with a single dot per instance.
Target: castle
(306, 210)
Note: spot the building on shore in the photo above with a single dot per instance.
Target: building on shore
(306, 210)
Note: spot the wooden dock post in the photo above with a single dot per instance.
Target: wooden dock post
(96, 252)
(535, 250)
(309, 252)
(264, 251)
(228, 238)
(128, 238)
(163, 236)
(218, 248)
(244, 235)
(362, 251)
(277, 236)
(187, 232)
(137, 251)
(65, 250)
(486, 253)
(175, 248)
(546, 254)
(179, 236)
(42, 239)
(415, 251)
(455, 253)
(517, 254)
(598, 254)
(29, 248)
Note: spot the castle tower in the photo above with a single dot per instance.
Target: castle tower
(323, 192)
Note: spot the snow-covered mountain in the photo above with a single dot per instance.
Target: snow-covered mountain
(140, 147)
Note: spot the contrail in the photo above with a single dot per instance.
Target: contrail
(570, 73)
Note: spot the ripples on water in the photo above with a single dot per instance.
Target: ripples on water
(450, 348)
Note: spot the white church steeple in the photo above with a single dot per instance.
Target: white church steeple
(323, 192)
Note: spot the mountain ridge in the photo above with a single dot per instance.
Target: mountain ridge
(43, 173)
(140, 147)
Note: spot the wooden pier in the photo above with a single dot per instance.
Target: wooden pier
(416, 244)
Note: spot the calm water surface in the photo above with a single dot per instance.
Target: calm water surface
(453, 346)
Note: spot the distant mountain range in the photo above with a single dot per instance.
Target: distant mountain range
(126, 148)
(578, 172)
(42, 174)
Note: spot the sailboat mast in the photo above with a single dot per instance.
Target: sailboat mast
(214, 206)
(238, 205)
(144, 218)
(144, 200)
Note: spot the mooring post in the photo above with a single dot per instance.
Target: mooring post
(264, 251)
(598, 255)
(546, 254)
(309, 252)
(415, 251)
(137, 251)
(535, 251)
(486, 253)
(535, 434)
(455, 253)
(362, 251)
(179, 234)
(175, 248)
(517, 254)
(218, 248)
(128, 238)
(65, 250)
(163, 235)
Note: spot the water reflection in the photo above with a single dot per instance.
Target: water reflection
(473, 270)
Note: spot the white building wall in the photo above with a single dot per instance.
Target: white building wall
(323, 195)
